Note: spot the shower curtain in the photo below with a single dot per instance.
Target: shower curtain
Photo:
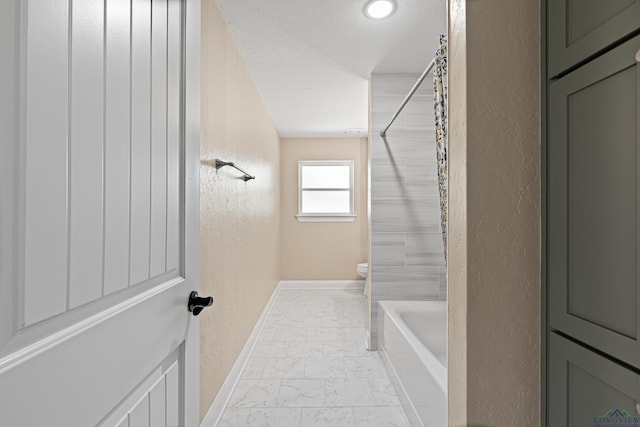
(440, 89)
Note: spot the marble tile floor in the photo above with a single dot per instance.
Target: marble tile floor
(310, 367)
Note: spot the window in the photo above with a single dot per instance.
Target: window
(325, 191)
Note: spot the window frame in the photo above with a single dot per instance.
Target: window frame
(327, 216)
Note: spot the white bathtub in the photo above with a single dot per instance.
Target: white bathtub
(413, 344)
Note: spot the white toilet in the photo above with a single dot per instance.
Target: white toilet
(363, 269)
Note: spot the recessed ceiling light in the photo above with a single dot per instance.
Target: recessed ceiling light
(378, 9)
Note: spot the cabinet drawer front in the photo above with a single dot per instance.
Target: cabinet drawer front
(593, 203)
(578, 29)
(584, 387)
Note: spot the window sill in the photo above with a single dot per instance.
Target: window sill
(325, 218)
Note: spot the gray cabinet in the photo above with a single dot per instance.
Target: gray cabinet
(578, 29)
(592, 211)
(585, 387)
(593, 199)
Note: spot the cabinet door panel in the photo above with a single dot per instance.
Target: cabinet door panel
(593, 203)
(578, 29)
(584, 386)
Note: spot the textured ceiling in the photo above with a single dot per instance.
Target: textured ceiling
(311, 59)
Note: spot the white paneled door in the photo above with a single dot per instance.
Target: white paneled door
(99, 133)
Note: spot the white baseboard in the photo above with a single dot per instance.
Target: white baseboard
(321, 284)
(217, 407)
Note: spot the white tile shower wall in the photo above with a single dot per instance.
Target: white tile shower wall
(406, 259)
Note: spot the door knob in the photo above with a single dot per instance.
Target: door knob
(198, 303)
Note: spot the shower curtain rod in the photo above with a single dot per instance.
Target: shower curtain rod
(383, 133)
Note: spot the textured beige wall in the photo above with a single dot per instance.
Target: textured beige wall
(494, 213)
(321, 250)
(239, 221)
(457, 227)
